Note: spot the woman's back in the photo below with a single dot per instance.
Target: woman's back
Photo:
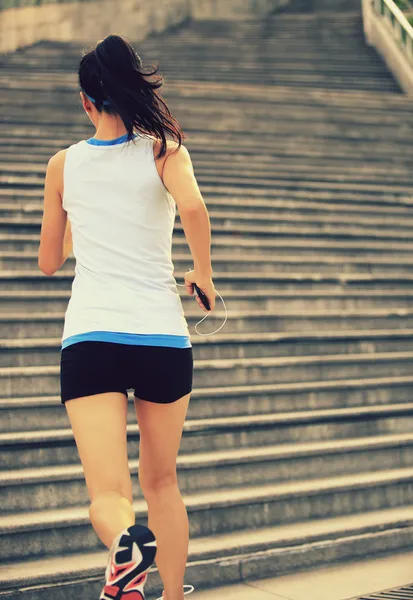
(122, 218)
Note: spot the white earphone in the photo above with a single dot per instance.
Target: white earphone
(207, 315)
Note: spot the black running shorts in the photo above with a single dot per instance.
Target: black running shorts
(155, 373)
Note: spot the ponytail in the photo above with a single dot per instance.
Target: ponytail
(113, 77)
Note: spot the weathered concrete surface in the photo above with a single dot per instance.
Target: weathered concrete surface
(88, 21)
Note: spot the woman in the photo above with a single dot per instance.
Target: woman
(124, 325)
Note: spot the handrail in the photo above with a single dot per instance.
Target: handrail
(395, 14)
(396, 20)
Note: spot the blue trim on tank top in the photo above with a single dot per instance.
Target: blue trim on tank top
(119, 140)
(135, 339)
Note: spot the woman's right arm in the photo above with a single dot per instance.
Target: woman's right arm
(179, 179)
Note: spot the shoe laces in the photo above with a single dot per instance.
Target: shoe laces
(185, 593)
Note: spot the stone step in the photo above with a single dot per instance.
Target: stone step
(206, 146)
(240, 223)
(32, 176)
(261, 552)
(16, 128)
(312, 168)
(285, 64)
(290, 47)
(290, 70)
(344, 8)
(35, 534)
(63, 84)
(226, 193)
(337, 81)
(267, 206)
(287, 36)
(378, 120)
(340, 248)
(32, 280)
(241, 158)
(297, 144)
(172, 48)
(62, 486)
(315, 81)
(302, 140)
(333, 127)
(287, 48)
(25, 351)
(288, 40)
(311, 301)
(196, 109)
(341, 195)
(191, 100)
(290, 61)
(281, 34)
(240, 167)
(232, 372)
(295, 128)
(246, 263)
(230, 409)
(248, 325)
(33, 448)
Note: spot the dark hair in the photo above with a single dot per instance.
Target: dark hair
(113, 72)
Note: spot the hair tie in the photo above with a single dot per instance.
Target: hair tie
(105, 102)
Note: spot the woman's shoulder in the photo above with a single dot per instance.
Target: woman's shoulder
(171, 150)
(171, 145)
(57, 161)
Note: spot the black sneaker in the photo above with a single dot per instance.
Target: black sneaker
(130, 558)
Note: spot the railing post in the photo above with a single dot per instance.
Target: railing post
(367, 10)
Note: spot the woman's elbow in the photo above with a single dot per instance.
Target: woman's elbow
(47, 269)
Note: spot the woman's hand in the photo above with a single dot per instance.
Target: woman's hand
(205, 284)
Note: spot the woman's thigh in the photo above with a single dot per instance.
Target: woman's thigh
(162, 390)
(99, 424)
(160, 427)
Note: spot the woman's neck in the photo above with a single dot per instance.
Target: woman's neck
(110, 128)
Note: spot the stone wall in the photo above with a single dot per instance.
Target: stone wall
(89, 20)
(233, 9)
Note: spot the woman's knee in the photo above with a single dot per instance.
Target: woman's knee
(156, 482)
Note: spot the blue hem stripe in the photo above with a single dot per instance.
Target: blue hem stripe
(119, 140)
(136, 339)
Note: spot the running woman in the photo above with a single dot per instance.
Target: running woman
(115, 196)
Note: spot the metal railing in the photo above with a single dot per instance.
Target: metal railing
(396, 21)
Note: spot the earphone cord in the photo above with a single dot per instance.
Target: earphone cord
(207, 315)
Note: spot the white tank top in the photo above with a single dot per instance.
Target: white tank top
(122, 218)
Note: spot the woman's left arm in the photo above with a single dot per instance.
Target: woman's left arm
(56, 234)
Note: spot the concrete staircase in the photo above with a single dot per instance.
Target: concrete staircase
(298, 448)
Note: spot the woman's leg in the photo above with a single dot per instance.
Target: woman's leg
(160, 427)
(99, 428)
